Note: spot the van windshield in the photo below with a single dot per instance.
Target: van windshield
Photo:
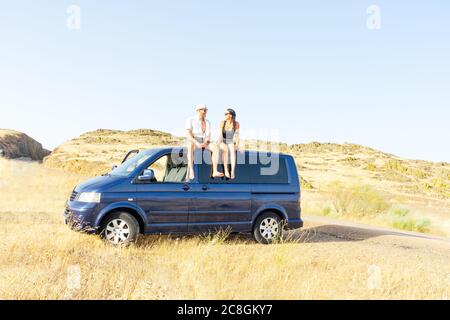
(128, 166)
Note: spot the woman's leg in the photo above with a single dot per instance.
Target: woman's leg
(224, 148)
(232, 153)
(215, 160)
(190, 157)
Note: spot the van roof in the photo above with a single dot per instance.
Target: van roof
(177, 148)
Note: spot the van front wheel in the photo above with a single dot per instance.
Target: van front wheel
(120, 228)
(268, 228)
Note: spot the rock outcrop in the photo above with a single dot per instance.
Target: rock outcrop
(14, 144)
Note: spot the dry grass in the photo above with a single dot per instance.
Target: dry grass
(362, 203)
(40, 257)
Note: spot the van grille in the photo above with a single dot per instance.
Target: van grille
(73, 195)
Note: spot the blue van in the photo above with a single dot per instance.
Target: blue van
(148, 194)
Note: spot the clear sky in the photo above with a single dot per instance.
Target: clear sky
(308, 70)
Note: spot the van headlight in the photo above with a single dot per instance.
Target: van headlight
(90, 197)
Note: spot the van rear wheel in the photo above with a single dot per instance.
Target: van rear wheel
(268, 228)
(120, 228)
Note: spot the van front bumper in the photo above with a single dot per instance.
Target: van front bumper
(80, 218)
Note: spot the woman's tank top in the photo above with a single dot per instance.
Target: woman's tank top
(228, 135)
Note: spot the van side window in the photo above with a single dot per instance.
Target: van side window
(168, 169)
(242, 174)
(159, 167)
(280, 174)
(248, 173)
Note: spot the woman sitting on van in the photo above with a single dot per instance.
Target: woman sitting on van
(228, 141)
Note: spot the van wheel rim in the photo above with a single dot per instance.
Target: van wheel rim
(269, 228)
(117, 231)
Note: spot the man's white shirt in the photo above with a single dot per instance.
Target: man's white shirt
(195, 125)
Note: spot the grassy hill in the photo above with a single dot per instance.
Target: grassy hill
(339, 180)
(94, 153)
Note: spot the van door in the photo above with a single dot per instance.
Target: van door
(166, 200)
(220, 204)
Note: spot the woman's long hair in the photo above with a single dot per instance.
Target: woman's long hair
(233, 117)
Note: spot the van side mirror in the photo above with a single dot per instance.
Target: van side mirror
(147, 175)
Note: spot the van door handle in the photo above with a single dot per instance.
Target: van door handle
(186, 187)
(204, 188)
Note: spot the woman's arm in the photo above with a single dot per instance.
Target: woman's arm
(236, 135)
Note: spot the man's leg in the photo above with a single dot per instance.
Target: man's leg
(190, 157)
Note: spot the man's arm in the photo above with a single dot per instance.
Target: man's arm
(190, 136)
(188, 129)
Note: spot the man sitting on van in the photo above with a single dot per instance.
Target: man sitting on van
(198, 133)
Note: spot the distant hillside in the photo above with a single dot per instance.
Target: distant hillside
(14, 144)
(95, 152)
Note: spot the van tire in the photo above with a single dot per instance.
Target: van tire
(271, 222)
(120, 228)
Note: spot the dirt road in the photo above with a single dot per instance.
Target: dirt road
(321, 228)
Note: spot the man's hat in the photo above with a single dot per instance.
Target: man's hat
(200, 107)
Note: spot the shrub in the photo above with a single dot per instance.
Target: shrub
(352, 161)
(396, 176)
(400, 167)
(360, 200)
(441, 186)
(371, 167)
(218, 237)
(305, 184)
(411, 224)
(326, 211)
(399, 211)
(399, 217)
